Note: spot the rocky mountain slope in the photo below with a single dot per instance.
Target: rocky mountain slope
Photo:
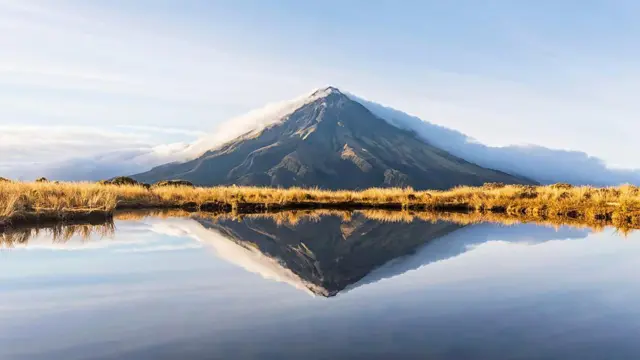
(330, 141)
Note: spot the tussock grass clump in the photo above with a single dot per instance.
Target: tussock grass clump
(561, 186)
(493, 185)
(173, 183)
(120, 180)
(20, 199)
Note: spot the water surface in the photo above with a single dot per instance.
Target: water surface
(324, 287)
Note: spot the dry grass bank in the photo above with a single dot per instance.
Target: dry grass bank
(69, 200)
(293, 217)
(61, 233)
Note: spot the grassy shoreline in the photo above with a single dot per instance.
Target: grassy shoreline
(23, 203)
(61, 232)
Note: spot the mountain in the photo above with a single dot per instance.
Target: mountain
(329, 141)
(541, 164)
(325, 255)
(319, 253)
(329, 254)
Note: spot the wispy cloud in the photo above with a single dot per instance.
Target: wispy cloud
(46, 143)
(79, 152)
(542, 164)
(130, 237)
(83, 66)
(165, 130)
(160, 248)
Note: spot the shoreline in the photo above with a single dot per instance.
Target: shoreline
(383, 212)
(27, 204)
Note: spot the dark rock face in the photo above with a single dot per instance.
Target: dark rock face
(329, 254)
(333, 143)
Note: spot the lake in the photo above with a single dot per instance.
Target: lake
(318, 287)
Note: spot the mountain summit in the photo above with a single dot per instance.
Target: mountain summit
(330, 141)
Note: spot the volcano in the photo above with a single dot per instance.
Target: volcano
(330, 141)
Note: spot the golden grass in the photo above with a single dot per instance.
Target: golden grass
(27, 197)
(293, 217)
(61, 233)
(619, 205)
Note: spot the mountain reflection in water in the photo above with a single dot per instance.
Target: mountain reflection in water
(324, 254)
(383, 285)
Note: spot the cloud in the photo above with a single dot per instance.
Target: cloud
(49, 143)
(253, 120)
(165, 130)
(467, 239)
(130, 237)
(79, 153)
(536, 162)
(159, 248)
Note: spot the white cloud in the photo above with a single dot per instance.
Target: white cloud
(48, 143)
(539, 163)
(165, 130)
(159, 248)
(79, 153)
(129, 237)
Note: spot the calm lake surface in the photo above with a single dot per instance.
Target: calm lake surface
(324, 288)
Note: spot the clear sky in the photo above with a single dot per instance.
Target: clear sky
(81, 77)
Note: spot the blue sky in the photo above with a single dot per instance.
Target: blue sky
(84, 77)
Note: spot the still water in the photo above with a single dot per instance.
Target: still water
(323, 288)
